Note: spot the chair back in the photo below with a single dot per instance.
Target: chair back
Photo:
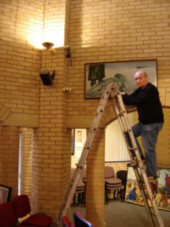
(122, 174)
(109, 172)
(22, 206)
(80, 221)
(7, 215)
(66, 223)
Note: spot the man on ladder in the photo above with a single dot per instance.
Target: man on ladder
(142, 179)
(146, 99)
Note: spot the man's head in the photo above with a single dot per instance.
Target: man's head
(141, 79)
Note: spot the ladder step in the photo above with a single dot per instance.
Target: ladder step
(79, 166)
(131, 148)
(121, 113)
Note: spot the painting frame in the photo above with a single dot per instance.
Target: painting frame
(5, 193)
(98, 75)
(161, 194)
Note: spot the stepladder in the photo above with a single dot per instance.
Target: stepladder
(147, 190)
(112, 92)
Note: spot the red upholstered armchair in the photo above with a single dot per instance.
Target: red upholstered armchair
(7, 216)
(80, 221)
(23, 208)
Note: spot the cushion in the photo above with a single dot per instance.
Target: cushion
(38, 219)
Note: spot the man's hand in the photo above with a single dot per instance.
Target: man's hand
(115, 93)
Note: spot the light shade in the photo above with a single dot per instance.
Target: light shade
(48, 45)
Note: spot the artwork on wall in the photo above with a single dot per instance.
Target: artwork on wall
(98, 75)
(5, 193)
(162, 195)
(78, 140)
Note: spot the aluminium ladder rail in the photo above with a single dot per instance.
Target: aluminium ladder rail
(139, 169)
(80, 166)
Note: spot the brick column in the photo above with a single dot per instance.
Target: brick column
(95, 193)
(51, 156)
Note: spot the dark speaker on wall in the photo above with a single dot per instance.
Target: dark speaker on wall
(46, 77)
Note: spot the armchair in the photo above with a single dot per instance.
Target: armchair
(7, 216)
(22, 208)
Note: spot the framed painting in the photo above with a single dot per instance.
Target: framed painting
(5, 193)
(98, 75)
(161, 195)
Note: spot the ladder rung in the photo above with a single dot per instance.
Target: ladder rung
(131, 148)
(140, 182)
(79, 166)
(121, 113)
(126, 131)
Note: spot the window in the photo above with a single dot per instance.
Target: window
(115, 147)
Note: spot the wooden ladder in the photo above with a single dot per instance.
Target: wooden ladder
(139, 168)
(80, 166)
(111, 90)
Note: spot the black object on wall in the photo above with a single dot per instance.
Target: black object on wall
(46, 77)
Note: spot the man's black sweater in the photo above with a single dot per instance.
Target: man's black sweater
(148, 104)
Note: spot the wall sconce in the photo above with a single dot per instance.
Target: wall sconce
(49, 45)
(46, 77)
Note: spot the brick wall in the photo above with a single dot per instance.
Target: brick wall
(19, 61)
(9, 146)
(97, 31)
(21, 21)
(104, 31)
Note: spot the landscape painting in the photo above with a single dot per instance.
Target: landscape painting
(98, 75)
